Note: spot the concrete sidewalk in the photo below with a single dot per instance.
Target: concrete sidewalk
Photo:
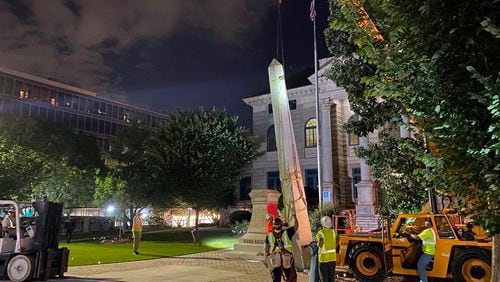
(204, 267)
(209, 266)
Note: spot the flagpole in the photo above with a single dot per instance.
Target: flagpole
(318, 118)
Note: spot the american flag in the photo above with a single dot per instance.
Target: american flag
(312, 12)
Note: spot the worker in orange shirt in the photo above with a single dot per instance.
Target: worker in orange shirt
(269, 222)
(137, 231)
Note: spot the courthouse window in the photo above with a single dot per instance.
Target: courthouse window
(273, 180)
(352, 137)
(310, 133)
(271, 139)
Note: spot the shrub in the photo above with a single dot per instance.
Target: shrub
(315, 216)
(239, 228)
(239, 216)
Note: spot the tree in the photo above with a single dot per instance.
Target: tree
(440, 61)
(425, 64)
(197, 156)
(125, 180)
(19, 168)
(395, 162)
(43, 160)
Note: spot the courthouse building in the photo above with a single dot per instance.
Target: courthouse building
(23, 94)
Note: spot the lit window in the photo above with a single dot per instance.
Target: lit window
(310, 133)
(23, 94)
(353, 138)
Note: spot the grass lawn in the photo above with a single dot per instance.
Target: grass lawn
(166, 243)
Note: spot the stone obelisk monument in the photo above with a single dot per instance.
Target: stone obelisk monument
(292, 185)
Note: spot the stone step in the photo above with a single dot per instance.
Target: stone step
(368, 223)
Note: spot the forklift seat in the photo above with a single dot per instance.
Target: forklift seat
(409, 256)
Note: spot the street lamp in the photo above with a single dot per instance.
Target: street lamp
(110, 210)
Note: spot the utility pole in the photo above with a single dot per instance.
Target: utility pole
(316, 93)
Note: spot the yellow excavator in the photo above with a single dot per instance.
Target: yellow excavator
(463, 250)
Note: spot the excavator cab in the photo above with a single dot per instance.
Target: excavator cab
(410, 249)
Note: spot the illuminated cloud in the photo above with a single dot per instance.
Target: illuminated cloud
(69, 40)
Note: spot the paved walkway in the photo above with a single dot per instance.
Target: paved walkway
(203, 267)
(209, 266)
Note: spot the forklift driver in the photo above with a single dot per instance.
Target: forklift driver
(9, 224)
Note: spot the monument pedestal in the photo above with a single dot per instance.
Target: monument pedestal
(366, 218)
(251, 245)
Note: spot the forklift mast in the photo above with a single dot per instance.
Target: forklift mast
(49, 259)
(48, 223)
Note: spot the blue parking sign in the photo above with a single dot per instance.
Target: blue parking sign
(327, 196)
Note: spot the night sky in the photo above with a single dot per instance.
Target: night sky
(160, 54)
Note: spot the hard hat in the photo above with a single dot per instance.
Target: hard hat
(326, 222)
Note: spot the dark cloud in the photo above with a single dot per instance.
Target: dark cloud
(70, 39)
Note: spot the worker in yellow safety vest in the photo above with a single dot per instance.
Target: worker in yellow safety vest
(327, 256)
(428, 237)
(137, 231)
(279, 249)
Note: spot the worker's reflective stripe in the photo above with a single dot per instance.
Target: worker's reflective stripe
(431, 242)
(428, 237)
(327, 252)
(287, 243)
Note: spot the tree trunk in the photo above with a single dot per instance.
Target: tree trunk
(495, 260)
(197, 212)
(131, 213)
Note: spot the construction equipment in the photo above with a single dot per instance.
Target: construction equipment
(461, 254)
(37, 255)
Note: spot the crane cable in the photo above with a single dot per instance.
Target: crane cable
(279, 35)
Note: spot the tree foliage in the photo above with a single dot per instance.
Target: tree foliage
(198, 156)
(439, 64)
(125, 181)
(397, 166)
(19, 168)
(39, 160)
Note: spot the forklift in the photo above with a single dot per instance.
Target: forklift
(32, 251)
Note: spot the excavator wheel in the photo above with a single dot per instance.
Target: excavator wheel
(472, 265)
(366, 263)
(20, 268)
